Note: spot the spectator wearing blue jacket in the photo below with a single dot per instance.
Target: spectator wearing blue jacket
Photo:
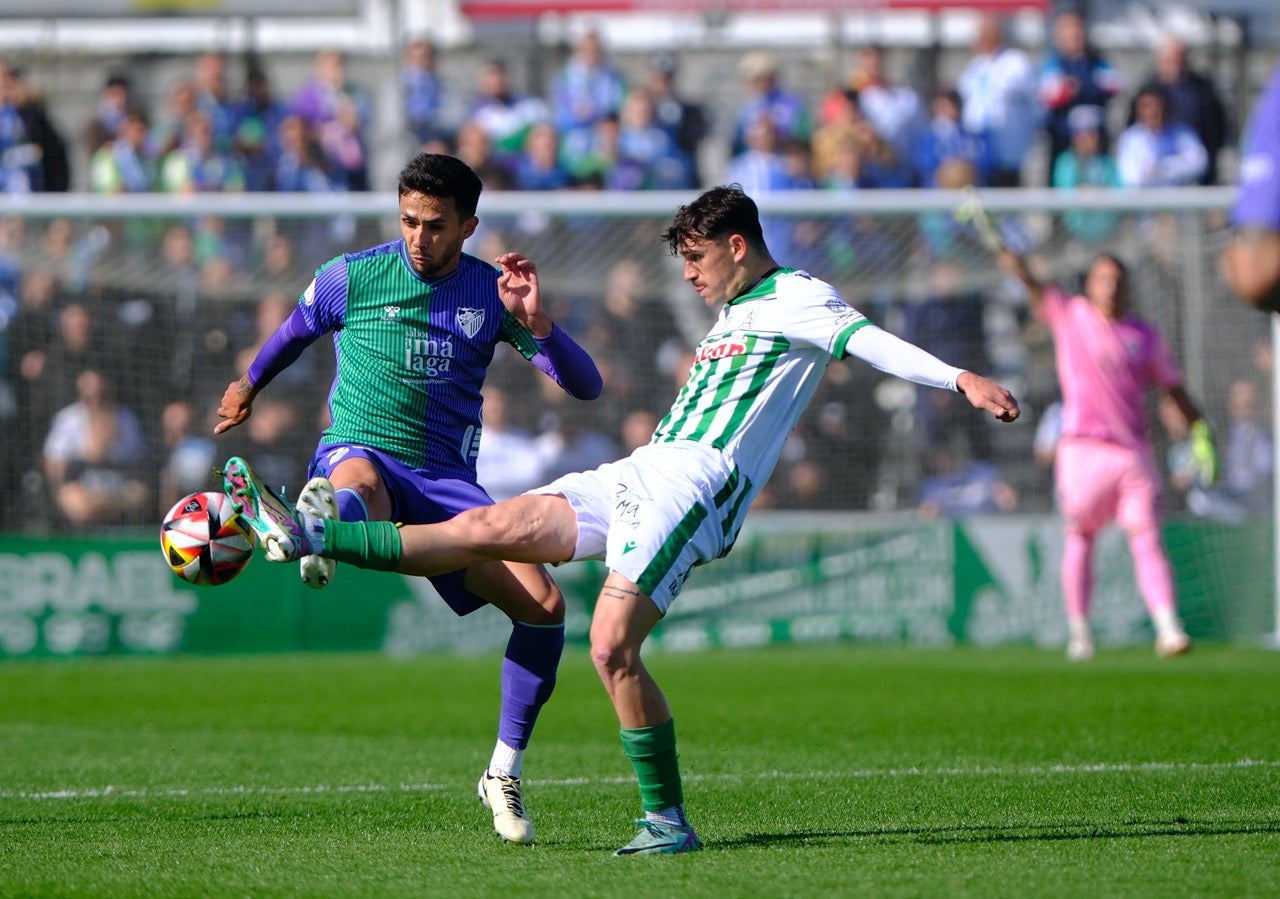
(945, 137)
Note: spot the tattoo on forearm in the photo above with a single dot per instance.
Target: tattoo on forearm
(245, 387)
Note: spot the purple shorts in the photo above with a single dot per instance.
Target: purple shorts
(417, 497)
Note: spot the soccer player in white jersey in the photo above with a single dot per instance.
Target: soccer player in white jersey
(673, 504)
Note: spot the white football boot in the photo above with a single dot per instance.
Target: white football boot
(502, 795)
(1080, 649)
(317, 500)
(1174, 643)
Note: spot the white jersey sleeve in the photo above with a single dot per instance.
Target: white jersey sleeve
(896, 356)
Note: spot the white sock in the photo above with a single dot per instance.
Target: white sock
(506, 761)
(1078, 629)
(1167, 623)
(312, 531)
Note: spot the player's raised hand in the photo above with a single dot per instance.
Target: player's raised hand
(983, 393)
(236, 405)
(518, 290)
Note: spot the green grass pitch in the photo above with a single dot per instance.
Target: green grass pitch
(810, 771)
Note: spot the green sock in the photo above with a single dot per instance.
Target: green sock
(365, 544)
(652, 751)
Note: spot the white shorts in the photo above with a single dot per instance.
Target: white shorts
(656, 514)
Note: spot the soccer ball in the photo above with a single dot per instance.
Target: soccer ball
(204, 539)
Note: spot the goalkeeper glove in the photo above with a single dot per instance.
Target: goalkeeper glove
(1204, 454)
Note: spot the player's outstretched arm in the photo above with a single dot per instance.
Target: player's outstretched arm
(1016, 265)
(985, 394)
(280, 350)
(896, 356)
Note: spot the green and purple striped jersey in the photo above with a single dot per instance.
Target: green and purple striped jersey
(755, 371)
(411, 354)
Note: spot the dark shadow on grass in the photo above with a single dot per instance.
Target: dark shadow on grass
(1178, 827)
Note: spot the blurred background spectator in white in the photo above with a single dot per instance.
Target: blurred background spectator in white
(1193, 99)
(1155, 151)
(94, 455)
(999, 91)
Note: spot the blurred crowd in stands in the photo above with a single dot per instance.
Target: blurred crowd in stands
(593, 127)
(110, 380)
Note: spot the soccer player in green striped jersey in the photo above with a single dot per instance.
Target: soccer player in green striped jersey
(415, 324)
(677, 502)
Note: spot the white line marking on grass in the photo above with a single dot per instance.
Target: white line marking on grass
(182, 792)
(111, 792)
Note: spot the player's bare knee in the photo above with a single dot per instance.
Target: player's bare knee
(613, 661)
(359, 475)
(551, 606)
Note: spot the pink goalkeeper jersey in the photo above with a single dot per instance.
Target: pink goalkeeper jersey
(1105, 368)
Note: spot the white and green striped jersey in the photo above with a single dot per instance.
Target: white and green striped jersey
(755, 371)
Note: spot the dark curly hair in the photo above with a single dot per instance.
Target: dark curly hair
(715, 215)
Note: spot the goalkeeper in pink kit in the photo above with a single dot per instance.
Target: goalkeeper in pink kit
(1105, 469)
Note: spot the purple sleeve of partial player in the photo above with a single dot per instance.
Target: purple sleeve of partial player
(568, 364)
(319, 311)
(1258, 201)
(282, 349)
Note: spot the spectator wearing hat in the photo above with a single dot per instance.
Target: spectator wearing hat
(766, 98)
(1085, 165)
